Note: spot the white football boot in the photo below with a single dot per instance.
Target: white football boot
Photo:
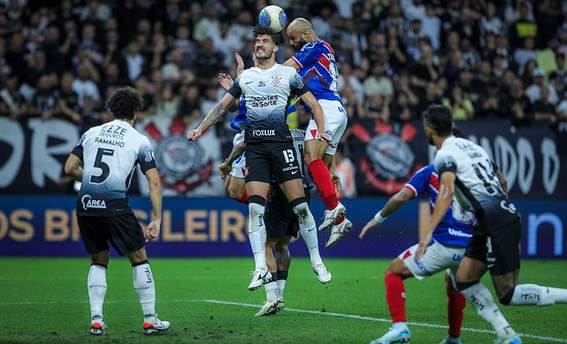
(97, 326)
(515, 339)
(281, 304)
(338, 232)
(269, 308)
(323, 275)
(398, 333)
(155, 326)
(331, 216)
(259, 277)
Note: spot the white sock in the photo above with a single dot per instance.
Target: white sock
(257, 234)
(308, 231)
(271, 290)
(145, 288)
(281, 287)
(96, 283)
(482, 300)
(533, 294)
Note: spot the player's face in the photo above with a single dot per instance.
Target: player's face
(428, 133)
(264, 48)
(296, 40)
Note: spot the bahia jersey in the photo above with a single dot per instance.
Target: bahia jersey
(110, 153)
(318, 69)
(477, 186)
(450, 231)
(265, 98)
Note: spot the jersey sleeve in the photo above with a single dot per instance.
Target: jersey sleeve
(419, 181)
(309, 54)
(146, 157)
(78, 149)
(445, 162)
(235, 90)
(297, 85)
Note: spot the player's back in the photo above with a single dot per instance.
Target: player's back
(110, 153)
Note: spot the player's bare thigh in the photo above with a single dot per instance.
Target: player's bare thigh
(504, 283)
(235, 187)
(293, 189)
(255, 188)
(314, 149)
(398, 267)
(470, 270)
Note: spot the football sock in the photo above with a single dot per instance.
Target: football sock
(455, 307)
(533, 294)
(322, 179)
(257, 233)
(96, 283)
(480, 297)
(395, 297)
(308, 230)
(145, 288)
(271, 287)
(282, 278)
(244, 198)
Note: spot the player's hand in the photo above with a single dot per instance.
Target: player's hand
(326, 138)
(152, 231)
(239, 63)
(194, 134)
(225, 81)
(422, 247)
(224, 169)
(367, 227)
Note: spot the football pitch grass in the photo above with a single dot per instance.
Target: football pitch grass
(45, 300)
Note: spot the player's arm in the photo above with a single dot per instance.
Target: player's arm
(74, 167)
(291, 63)
(224, 167)
(299, 89)
(394, 203)
(154, 183)
(444, 200)
(216, 112)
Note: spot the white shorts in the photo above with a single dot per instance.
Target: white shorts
(239, 167)
(437, 258)
(335, 123)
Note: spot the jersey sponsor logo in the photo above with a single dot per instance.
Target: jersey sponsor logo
(90, 203)
(290, 168)
(264, 132)
(262, 101)
(458, 233)
(508, 207)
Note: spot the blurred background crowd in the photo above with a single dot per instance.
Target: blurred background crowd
(484, 59)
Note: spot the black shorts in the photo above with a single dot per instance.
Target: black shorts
(281, 221)
(267, 161)
(499, 249)
(122, 231)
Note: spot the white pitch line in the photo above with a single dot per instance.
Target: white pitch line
(361, 317)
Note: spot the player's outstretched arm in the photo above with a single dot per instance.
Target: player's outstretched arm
(217, 111)
(153, 229)
(291, 63)
(73, 167)
(394, 203)
(444, 200)
(224, 167)
(309, 99)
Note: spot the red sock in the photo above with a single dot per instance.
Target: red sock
(455, 306)
(244, 198)
(322, 179)
(395, 296)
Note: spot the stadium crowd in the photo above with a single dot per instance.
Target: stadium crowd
(482, 58)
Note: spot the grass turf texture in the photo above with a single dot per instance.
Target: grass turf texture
(45, 300)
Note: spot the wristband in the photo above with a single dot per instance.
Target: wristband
(379, 218)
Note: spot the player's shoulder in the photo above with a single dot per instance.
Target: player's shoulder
(426, 171)
(286, 69)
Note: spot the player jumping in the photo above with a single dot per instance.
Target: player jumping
(269, 148)
(315, 61)
(104, 162)
(467, 172)
(450, 239)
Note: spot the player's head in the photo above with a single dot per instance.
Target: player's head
(266, 44)
(437, 122)
(125, 103)
(299, 32)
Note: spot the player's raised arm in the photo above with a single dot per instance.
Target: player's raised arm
(217, 111)
(394, 203)
(226, 165)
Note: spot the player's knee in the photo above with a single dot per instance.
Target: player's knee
(256, 209)
(465, 285)
(235, 192)
(137, 257)
(100, 258)
(506, 299)
(301, 208)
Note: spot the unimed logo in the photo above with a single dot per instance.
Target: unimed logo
(546, 220)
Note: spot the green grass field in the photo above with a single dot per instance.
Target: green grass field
(45, 300)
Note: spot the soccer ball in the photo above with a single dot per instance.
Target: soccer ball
(272, 17)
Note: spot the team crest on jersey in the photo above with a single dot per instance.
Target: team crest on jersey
(182, 164)
(90, 203)
(276, 80)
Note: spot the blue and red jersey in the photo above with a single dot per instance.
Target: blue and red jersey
(318, 69)
(450, 231)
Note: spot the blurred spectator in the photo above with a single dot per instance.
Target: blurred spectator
(542, 108)
(525, 54)
(534, 91)
(523, 25)
(345, 170)
(461, 106)
(167, 103)
(45, 99)
(378, 83)
(85, 88)
(12, 103)
(68, 99)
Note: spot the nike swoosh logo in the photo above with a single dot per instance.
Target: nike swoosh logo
(249, 82)
(293, 172)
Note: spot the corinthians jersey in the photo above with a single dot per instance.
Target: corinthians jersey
(477, 186)
(265, 98)
(110, 153)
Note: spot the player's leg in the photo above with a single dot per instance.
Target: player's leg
(235, 182)
(455, 308)
(271, 286)
(295, 194)
(505, 244)
(283, 260)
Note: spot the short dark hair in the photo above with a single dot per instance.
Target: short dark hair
(124, 103)
(440, 119)
(260, 30)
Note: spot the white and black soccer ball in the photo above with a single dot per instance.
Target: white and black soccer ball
(273, 18)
